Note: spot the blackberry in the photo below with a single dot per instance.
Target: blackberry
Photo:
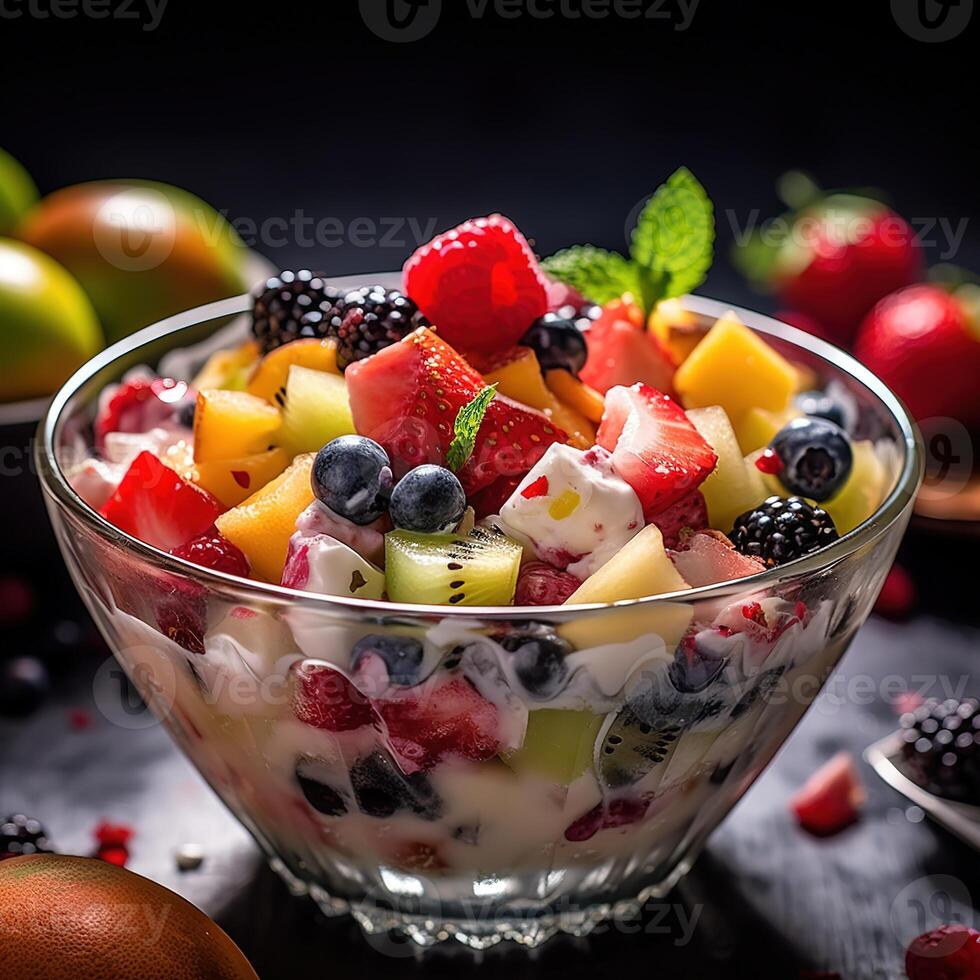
(20, 835)
(942, 748)
(374, 318)
(783, 529)
(293, 305)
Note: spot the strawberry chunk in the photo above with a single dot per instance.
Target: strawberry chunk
(831, 798)
(479, 283)
(690, 513)
(154, 504)
(541, 584)
(407, 396)
(324, 698)
(951, 952)
(441, 719)
(708, 557)
(139, 405)
(622, 351)
(654, 446)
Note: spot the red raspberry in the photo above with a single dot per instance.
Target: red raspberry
(540, 584)
(951, 952)
(212, 550)
(140, 404)
(480, 284)
(324, 698)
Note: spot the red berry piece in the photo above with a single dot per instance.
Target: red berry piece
(898, 595)
(689, 514)
(443, 719)
(951, 952)
(152, 503)
(831, 798)
(540, 584)
(479, 283)
(113, 834)
(654, 446)
(617, 813)
(139, 405)
(324, 698)
(213, 550)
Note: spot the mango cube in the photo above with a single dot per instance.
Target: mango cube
(233, 481)
(231, 424)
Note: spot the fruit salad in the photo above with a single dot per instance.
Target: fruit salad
(501, 431)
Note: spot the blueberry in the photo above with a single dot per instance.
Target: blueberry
(382, 789)
(657, 702)
(694, 668)
(428, 499)
(816, 457)
(823, 405)
(324, 798)
(402, 656)
(539, 659)
(352, 476)
(558, 342)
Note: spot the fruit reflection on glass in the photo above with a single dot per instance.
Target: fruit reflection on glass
(453, 478)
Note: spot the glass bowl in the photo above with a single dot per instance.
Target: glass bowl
(582, 807)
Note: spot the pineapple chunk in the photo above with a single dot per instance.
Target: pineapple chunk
(733, 486)
(270, 374)
(575, 394)
(668, 620)
(863, 492)
(735, 368)
(558, 744)
(262, 526)
(756, 428)
(677, 330)
(227, 368)
(232, 424)
(235, 480)
(640, 568)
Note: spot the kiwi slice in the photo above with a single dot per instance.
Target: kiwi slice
(476, 569)
(315, 410)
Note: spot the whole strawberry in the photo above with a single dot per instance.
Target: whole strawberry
(924, 343)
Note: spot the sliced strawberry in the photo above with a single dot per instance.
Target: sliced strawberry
(442, 719)
(831, 798)
(324, 698)
(654, 446)
(541, 584)
(154, 504)
(690, 513)
(140, 404)
(709, 557)
(622, 351)
(407, 396)
(479, 283)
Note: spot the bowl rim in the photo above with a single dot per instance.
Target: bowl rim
(897, 503)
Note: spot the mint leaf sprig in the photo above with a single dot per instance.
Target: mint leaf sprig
(671, 249)
(468, 421)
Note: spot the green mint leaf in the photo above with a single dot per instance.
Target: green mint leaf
(600, 276)
(674, 236)
(467, 425)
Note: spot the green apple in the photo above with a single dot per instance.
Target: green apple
(48, 327)
(141, 250)
(17, 192)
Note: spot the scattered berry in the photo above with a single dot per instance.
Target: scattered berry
(942, 747)
(557, 342)
(479, 283)
(141, 404)
(831, 798)
(24, 684)
(109, 834)
(898, 595)
(539, 660)
(294, 305)
(324, 698)
(80, 720)
(690, 513)
(541, 584)
(17, 600)
(352, 476)
(951, 952)
(374, 318)
(213, 550)
(402, 656)
(20, 835)
(429, 499)
(816, 456)
(783, 529)
(382, 789)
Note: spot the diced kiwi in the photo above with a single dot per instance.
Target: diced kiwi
(559, 744)
(477, 569)
(315, 410)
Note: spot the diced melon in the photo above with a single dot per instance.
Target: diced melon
(235, 480)
(677, 330)
(262, 526)
(735, 368)
(558, 744)
(756, 428)
(668, 620)
(232, 424)
(640, 568)
(315, 410)
(269, 376)
(733, 486)
(863, 492)
(227, 368)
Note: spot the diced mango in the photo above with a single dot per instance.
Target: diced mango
(678, 331)
(756, 428)
(576, 394)
(735, 368)
(733, 486)
(262, 526)
(227, 368)
(269, 376)
(640, 568)
(233, 481)
(232, 424)
(558, 744)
